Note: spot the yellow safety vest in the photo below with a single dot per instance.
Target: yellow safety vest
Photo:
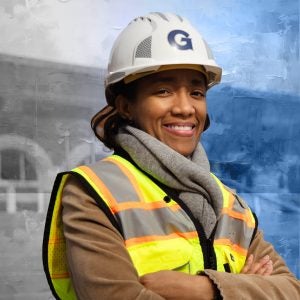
(158, 233)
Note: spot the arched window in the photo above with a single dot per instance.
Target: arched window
(15, 165)
(26, 172)
(18, 181)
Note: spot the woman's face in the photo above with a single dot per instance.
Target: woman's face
(170, 106)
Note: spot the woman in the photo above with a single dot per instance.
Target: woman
(151, 221)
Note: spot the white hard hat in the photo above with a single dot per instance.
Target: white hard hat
(150, 44)
(157, 41)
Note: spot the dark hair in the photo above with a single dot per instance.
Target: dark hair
(111, 119)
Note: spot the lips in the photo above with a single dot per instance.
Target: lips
(180, 127)
(186, 129)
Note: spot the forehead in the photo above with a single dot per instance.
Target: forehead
(176, 76)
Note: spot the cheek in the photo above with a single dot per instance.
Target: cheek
(147, 113)
(201, 109)
(145, 119)
(140, 114)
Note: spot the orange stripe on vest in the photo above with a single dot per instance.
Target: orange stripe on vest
(146, 206)
(98, 182)
(235, 247)
(151, 238)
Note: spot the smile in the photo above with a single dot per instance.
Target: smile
(184, 130)
(180, 127)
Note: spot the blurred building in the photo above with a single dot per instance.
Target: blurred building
(45, 110)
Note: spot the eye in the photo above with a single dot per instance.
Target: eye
(162, 92)
(198, 94)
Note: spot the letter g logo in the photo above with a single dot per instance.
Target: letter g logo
(180, 39)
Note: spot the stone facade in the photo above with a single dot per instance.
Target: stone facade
(45, 109)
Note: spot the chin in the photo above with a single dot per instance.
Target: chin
(184, 152)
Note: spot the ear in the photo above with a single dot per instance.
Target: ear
(123, 107)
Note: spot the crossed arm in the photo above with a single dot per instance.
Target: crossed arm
(101, 268)
(176, 285)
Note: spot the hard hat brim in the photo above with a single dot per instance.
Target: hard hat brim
(135, 76)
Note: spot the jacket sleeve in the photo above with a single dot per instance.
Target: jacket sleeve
(281, 285)
(98, 262)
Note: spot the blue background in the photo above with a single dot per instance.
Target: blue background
(253, 145)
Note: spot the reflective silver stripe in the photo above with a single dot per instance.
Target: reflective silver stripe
(116, 181)
(234, 229)
(140, 222)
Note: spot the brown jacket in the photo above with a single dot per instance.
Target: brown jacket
(101, 268)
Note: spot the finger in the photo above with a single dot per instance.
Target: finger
(266, 269)
(263, 270)
(256, 267)
(269, 268)
(265, 260)
(248, 264)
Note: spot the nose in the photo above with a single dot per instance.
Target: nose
(183, 104)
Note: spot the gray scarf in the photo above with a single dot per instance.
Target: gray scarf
(190, 177)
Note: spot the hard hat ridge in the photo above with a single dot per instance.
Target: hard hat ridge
(165, 16)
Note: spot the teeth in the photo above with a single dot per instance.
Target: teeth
(180, 127)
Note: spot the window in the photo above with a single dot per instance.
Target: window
(14, 165)
(19, 188)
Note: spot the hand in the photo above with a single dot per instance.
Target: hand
(173, 285)
(263, 267)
